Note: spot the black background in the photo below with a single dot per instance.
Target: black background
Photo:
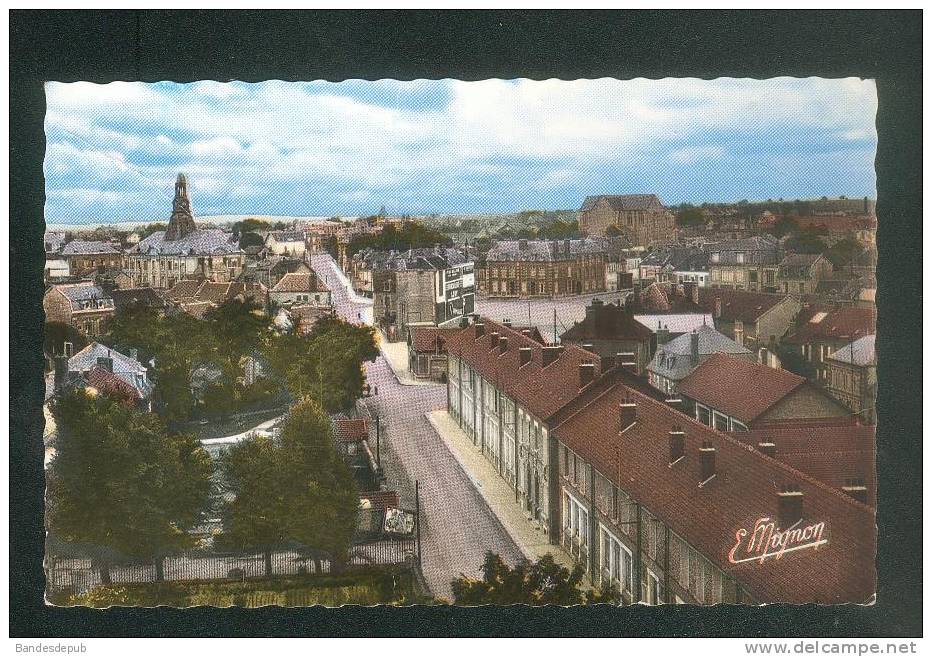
(254, 46)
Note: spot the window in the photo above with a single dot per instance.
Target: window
(616, 567)
(739, 258)
(703, 415)
(721, 421)
(576, 520)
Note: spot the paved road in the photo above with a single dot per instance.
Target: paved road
(457, 525)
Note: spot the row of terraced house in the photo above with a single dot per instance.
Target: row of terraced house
(654, 502)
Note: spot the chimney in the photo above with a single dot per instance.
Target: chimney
(69, 349)
(739, 332)
(586, 374)
(61, 371)
(856, 489)
(550, 354)
(588, 346)
(767, 448)
(694, 348)
(627, 413)
(134, 354)
(677, 444)
(718, 308)
(522, 245)
(105, 362)
(493, 338)
(706, 461)
(506, 322)
(524, 355)
(480, 329)
(675, 403)
(526, 332)
(627, 360)
(789, 506)
(663, 333)
(503, 344)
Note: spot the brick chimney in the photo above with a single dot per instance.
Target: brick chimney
(503, 344)
(493, 338)
(694, 348)
(586, 374)
(789, 506)
(551, 353)
(480, 329)
(677, 443)
(588, 346)
(627, 413)
(706, 461)
(768, 448)
(739, 332)
(627, 360)
(524, 355)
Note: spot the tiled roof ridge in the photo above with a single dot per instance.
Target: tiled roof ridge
(734, 442)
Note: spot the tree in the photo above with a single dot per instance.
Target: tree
(122, 485)
(543, 582)
(250, 239)
(688, 216)
(325, 364)
(783, 226)
(296, 491)
(237, 328)
(57, 334)
(805, 242)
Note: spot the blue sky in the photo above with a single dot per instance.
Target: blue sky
(347, 148)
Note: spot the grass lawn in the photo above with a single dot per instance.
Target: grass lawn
(369, 587)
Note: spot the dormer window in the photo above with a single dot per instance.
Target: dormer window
(739, 257)
(715, 256)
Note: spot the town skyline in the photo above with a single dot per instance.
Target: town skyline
(433, 147)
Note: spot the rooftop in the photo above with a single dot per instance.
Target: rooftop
(860, 352)
(675, 322)
(740, 305)
(300, 282)
(204, 241)
(545, 250)
(82, 247)
(426, 339)
(845, 322)
(742, 389)
(673, 359)
(624, 202)
(349, 430)
(743, 490)
(606, 322)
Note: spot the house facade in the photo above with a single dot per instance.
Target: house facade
(756, 320)
(799, 274)
(544, 268)
(851, 377)
(289, 243)
(745, 264)
(639, 217)
(85, 256)
(300, 289)
(427, 351)
(821, 331)
(678, 358)
(84, 305)
(609, 329)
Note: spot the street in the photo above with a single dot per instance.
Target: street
(457, 526)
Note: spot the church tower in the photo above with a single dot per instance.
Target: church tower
(181, 223)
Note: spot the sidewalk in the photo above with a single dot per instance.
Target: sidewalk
(497, 494)
(396, 355)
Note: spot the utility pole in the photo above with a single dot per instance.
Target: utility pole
(554, 325)
(417, 519)
(378, 452)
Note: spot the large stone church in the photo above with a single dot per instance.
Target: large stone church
(639, 217)
(184, 250)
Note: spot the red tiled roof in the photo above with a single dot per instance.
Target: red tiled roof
(743, 490)
(299, 282)
(738, 387)
(424, 339)
(350, 430)
(540, 390)
(183, 289)
(738, 304)
(109, 383)
(381, 499)
(845, 322)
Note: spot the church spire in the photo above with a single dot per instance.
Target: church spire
(181, 223)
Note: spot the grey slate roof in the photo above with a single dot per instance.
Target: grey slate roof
(84, 247)
(757, 250)
(623, 202)
(128, 369)
(54, 241)
(545, 250)
(860, 352)
(673, 359)
(797, 265)
(287, 235)
(414, 259)
(208, 241)
(688, 258)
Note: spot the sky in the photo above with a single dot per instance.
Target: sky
(448, 146)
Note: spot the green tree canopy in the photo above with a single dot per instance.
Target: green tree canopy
(294, 491)
(688, 216)
(783, 226)
(543, 582)
(411, 235)
(250, 239)
(121, 485)
(237, 328)
(325, 364)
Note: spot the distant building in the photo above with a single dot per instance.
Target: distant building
(734, 394)
(417, 286)
(851, 377)
(639, 217)
(300, 289)
(746, 264)
(286, 242)
(196, 297)
(688, 264)
(56, 269)
(799, 274)
(184, 251)
(609, 330)
(819, 333)
(109, 363)
(678, 358)
(427, 351)
(84, 256)
(543, 268)
(138, 297)
(757, 321)
(83, 305)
